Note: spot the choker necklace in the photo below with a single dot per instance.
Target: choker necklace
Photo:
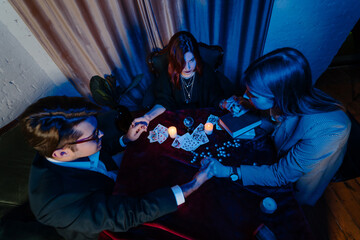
(187, 85)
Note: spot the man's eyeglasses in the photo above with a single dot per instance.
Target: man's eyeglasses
(94, 136)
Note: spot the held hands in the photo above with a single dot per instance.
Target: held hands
(135, 130)
(200, 177)
(216, 169)
(144, 120)
(153, 113)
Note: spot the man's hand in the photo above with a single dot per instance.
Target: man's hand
(200, 177)
(134, 132)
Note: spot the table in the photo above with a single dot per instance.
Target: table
(220, 209)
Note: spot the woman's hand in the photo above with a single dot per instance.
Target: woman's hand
(153, 113)
(145, 120)
(234, 106)
(216, 168)
(237, 109)
(228, 103)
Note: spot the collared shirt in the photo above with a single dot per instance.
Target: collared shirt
(94, 164)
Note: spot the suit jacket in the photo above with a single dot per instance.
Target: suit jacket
(311, 149)
(79, 203)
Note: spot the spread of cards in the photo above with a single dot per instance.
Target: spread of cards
(188, 142)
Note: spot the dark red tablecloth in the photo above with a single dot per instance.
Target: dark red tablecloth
(220, 209)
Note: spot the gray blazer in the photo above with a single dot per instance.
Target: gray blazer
(311, 149)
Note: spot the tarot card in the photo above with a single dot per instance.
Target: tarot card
(183, 139)
(199, 134)
(161, 138)
(188, 143)
(162, 130)
(192, 145)
(213, 119)
(153, 136)
(176, 142)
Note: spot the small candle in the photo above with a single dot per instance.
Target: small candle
(172, 132)
(208, 128)
(268, 205)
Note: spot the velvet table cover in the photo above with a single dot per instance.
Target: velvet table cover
(219, 209)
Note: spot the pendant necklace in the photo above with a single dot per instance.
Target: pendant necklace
(187, 87)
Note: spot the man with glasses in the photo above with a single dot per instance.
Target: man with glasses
(74, 172)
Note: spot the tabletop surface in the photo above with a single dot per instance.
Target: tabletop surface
(220, 209)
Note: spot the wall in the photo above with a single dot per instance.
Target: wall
(27, 73)
(317, 28)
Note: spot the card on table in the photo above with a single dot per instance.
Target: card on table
(191, 142)
(188, 143)
(215, 121)
(153, 136)
(162, 130)
(159, 134)
(176, 143)
(199, 134)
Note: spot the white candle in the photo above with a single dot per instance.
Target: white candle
(208, 128)
(268, 205)
(172, 132)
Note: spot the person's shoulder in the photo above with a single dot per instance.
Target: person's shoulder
(334, 122)
(334, 117)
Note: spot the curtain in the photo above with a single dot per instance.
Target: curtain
(98, 37)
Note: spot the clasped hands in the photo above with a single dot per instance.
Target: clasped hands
(215, 168)
(210, 167)
(135, 130)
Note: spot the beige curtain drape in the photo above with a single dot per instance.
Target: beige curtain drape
(97, 37)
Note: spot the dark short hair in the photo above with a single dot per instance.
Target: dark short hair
(285, 74)
(48, 123)
(179, 44)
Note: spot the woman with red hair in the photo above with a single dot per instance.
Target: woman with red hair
(189, 82)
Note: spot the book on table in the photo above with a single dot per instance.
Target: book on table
(237, 126)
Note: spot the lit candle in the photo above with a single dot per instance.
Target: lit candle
(172, 132)
(268, 205)
(209, 128)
